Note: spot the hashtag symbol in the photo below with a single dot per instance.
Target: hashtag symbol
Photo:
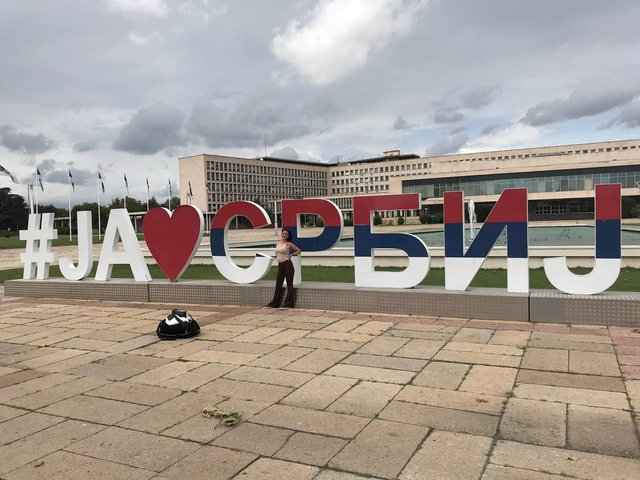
(38, 254)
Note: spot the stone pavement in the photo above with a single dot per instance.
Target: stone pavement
(87, 390)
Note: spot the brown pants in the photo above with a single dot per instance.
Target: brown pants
(285, 270)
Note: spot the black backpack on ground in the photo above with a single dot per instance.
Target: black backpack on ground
(178, 324)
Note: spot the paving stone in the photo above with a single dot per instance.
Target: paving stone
(473, 402)
(417, 348)
(96, 410)
(630, 372)
(245, 390)
(257, 334)
(198, 376)
(44, 442)
(629, 359)
(420, 335)
(25, 425)
(270, 376)
(137, 449)
(366, 399)
(319, 392)
(138, 362)
(317, 361)
(281, 357)
(185, 349)
(381, 449)
(166, 372)
(311, 421)
(76, 467)
(381, 361)
(497, 381)
(213, 356)
(340, 336)
(604, 339)
(132, 344)
(602, 430)
(546, 359)
(572, 380)
(170, 413)
(7, 413)
(477, 358)
(339, 345)
(334, 475)
(560, 461)
(254, 438)
(455, 456)
(19, 376)
(245, 347)
(566, 345)
(506, 337)
(271, 469)
(311, 449)
(633, 390)
(55, 394)
(285, 337)
(84, 344)
(447, 376)
(58, 356)
(441, 418)
(69, 363)
(486, 349)
(32, 385)
(296, 325)
(371, 374)
(373, 328)
(533, 421)
(109, 335)
(496, 472)
(594, 363)
(383, 345)
(473, 335)
(344, 325)
(106, 372)
(593, 398)
(135, 393)
(210, 463)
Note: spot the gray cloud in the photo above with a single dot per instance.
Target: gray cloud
(628, 117)
(289, 153)
(479, 97)
(449, 144)
(55, 172)
(596, 97)
(151, 130)
(277, 114)
(447, 115)
(489, 129)
(401, 124)
(24, 142)
(85, 146)
(459, 129)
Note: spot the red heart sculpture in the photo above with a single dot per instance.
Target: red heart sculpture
(173, 238)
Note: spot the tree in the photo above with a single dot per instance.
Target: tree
(14, 212)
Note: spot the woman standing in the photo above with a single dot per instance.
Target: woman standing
(284, 251)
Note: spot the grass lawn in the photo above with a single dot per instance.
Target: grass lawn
(628, 281)
(62, 241)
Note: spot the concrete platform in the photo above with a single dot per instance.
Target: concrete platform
(615, 308)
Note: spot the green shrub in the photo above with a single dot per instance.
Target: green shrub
(377, 219)
(424, 218)
(319, 222)
(400, 220)
(348, 222)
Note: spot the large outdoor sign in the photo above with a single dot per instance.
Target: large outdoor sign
(174, 237)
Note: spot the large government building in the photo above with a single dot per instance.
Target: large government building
(559, 179)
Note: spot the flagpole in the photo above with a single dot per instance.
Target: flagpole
(35, 194)
(99, 226)
(70, 230)
(147, 194)
(126, 190)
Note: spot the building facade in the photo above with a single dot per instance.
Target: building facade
(559, 179)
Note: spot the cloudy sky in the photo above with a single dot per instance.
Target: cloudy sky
(128, 86)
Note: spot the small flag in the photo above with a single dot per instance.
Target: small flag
(147, 179)
(126, 183)
(4, 171)
(170, 194)
(71, 180)
(101, 182)
(190, 191)
(39, 177)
